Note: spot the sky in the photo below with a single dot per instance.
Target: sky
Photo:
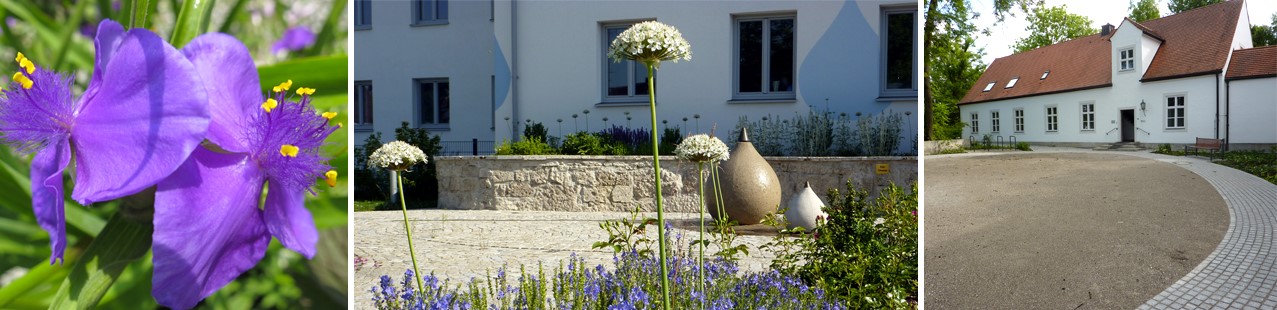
(1003, 35)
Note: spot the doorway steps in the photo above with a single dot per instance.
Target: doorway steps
(1121, 146)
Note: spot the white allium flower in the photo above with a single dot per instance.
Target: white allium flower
(879, 221)
(650, 42)
(702, 148)
(397, 155)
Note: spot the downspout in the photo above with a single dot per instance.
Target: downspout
(514, 70)
(1228, 123)
(1217, 106)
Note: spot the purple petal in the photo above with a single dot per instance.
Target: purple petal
(288, 219)
(208, 228)
(105, 42)
(147, 114)
(294, 39)
(46, 194)
(230, 77)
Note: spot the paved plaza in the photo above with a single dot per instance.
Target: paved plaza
(458, 245)
(1078, 229)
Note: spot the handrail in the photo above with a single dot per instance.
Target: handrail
(1111, 131)
(1145, 132)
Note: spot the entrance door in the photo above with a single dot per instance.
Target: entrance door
(1128, 125)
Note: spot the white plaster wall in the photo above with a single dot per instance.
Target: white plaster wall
(1199, 95)
(393, 53)
(1254, 107)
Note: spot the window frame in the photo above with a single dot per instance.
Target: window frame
(1052, 118)
(436, 19)
(1087, 115)
(417, 103)
(995, 121)
(883, 18)
(763, 94)
(1123, 60)
(633, 97)
(1181, 107)
(975, 122)
(362, 102)
(1019, 119)
(363, 14)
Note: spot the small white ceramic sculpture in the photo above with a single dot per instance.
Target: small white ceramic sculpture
(804, 208)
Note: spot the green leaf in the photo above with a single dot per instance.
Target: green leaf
(192, 21)
(35, 277)
(327, 74)
(121, 242)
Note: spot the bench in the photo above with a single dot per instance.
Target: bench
(1212, 145)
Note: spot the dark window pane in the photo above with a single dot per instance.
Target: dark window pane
(617, 72)
(640, 77)
(900, 45)
(426, 97)
(782, 56)
(443, 10)
(425, 10)
(444, 103)
(750, 68)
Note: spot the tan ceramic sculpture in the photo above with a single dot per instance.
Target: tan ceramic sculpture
(751, 189)
(802, 210)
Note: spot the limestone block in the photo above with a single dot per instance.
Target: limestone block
(622, 194)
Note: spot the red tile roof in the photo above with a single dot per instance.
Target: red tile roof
(1251, 63)
(1194, 42)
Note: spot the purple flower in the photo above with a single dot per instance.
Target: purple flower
(209, 226)
(142, 114)
(294, 39)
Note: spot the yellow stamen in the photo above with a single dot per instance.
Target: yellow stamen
(331, 178)
(329, 115)
(305, 91)
(27, 64)
(23, 79)
(338, 125)
(283, 86)
(269, 104)
(20, 57)
(288, 150)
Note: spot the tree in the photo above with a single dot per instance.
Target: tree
(1178, 6)
(953, 14)
(1053, 25)
(1144, 10)
(1264, 35)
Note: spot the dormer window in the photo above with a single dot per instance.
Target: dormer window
(1012, 82)
(1044, 74)
(1126, 59)
(990, 86)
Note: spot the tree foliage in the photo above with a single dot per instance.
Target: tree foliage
(1177, 6)
(1264, 35)
(1144, 10)
(1050, 25)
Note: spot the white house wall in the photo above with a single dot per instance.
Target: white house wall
(393, 53)
(1199, 94)
(557, 63)
(1254, 110)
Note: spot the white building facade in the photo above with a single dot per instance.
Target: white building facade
(485, 68)
(1163, 81)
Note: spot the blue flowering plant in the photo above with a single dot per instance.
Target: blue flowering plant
(202, 167)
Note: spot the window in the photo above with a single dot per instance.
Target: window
(975, 122)
(765, 58)
(1175, 112)
(1012, 82)
(997, 123)
(990, 86)
(1088, 116)
(1126, 59)
(433, 102)
(1052, 118)
(899, 52)
(363, 105)
(1019, 120)
(1044, 74)
(429, 12)
(363, 14)
(624, 81)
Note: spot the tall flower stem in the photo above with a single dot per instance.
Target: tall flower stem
(700, 262)
(411, 253)
(656, 163)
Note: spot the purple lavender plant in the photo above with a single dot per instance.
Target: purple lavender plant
(214, 196)
(143, 113)
(294, 39)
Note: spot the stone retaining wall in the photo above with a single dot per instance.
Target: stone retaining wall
(621, 183)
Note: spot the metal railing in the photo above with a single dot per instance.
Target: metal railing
(472, 147)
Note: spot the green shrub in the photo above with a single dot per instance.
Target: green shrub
(369, 182)
(529, 146)
(865, 251)
(535, 130)
(1258, 163)
(585, 143)
(1023, 146)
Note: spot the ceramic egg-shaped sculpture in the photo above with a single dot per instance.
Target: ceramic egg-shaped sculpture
(804, 208)
(750, 187)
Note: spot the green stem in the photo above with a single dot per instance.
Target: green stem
(407, 229)
(700, 262)
(660, 210)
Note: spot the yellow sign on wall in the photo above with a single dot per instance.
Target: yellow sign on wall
(883, 168)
